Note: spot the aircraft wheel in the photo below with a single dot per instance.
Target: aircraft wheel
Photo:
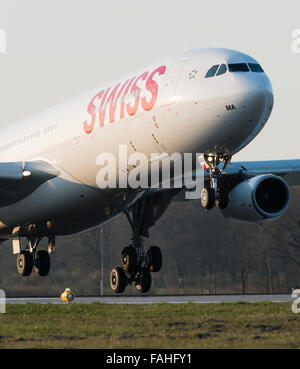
(129, 259)
(155, 259)
(222, 200)
(143, 283)
(207, 198)
(42, 263)
(118, 280)
(24, 263)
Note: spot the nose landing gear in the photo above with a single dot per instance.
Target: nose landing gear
(215, 193)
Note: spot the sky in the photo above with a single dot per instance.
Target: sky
(57, 49)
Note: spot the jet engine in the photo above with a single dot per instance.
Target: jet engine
(258, 199)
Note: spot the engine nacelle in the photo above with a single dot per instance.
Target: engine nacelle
(260, 198)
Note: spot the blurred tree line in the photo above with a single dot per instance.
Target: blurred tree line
(204, 253)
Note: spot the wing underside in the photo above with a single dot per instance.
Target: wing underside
(19, 179)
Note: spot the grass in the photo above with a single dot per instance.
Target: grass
(226, 325)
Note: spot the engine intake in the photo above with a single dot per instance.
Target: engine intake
(260, 198)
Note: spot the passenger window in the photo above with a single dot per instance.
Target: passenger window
(222, 70)
(256, 68)
(212, 71)
(238, 67)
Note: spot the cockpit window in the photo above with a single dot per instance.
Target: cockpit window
(222, 69)
(212, 71)
(218, 70)
(238, 67)
(254, 67)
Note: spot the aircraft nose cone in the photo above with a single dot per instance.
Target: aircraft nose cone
(259, 99)
(255, 103)
(256, 84)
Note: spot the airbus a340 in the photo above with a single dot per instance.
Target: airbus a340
(210, 101)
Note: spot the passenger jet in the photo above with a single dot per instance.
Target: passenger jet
(210, 101)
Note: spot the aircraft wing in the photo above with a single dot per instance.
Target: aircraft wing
(289, 170)
(19, 179)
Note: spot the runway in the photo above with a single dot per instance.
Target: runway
(175, 299)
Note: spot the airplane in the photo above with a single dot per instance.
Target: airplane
(212, 101)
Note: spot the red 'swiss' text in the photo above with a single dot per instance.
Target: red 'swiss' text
(106, 101)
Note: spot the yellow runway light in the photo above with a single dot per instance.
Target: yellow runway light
(67, 296)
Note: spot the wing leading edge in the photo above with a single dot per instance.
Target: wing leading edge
(289, 170)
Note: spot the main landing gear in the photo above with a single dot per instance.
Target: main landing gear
(31, 257)
(216, 192)
(136, 265)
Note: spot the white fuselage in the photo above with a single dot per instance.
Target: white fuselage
(167, 107)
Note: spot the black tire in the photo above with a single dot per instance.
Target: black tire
(24, 263)
(143, 283)
(155, 259)
(222, 200)
(118, 280)
(207, 198)
(42, 263)
(129, 259)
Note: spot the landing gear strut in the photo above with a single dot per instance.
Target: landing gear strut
(31, 257)
(136, 265)
(214, 193)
